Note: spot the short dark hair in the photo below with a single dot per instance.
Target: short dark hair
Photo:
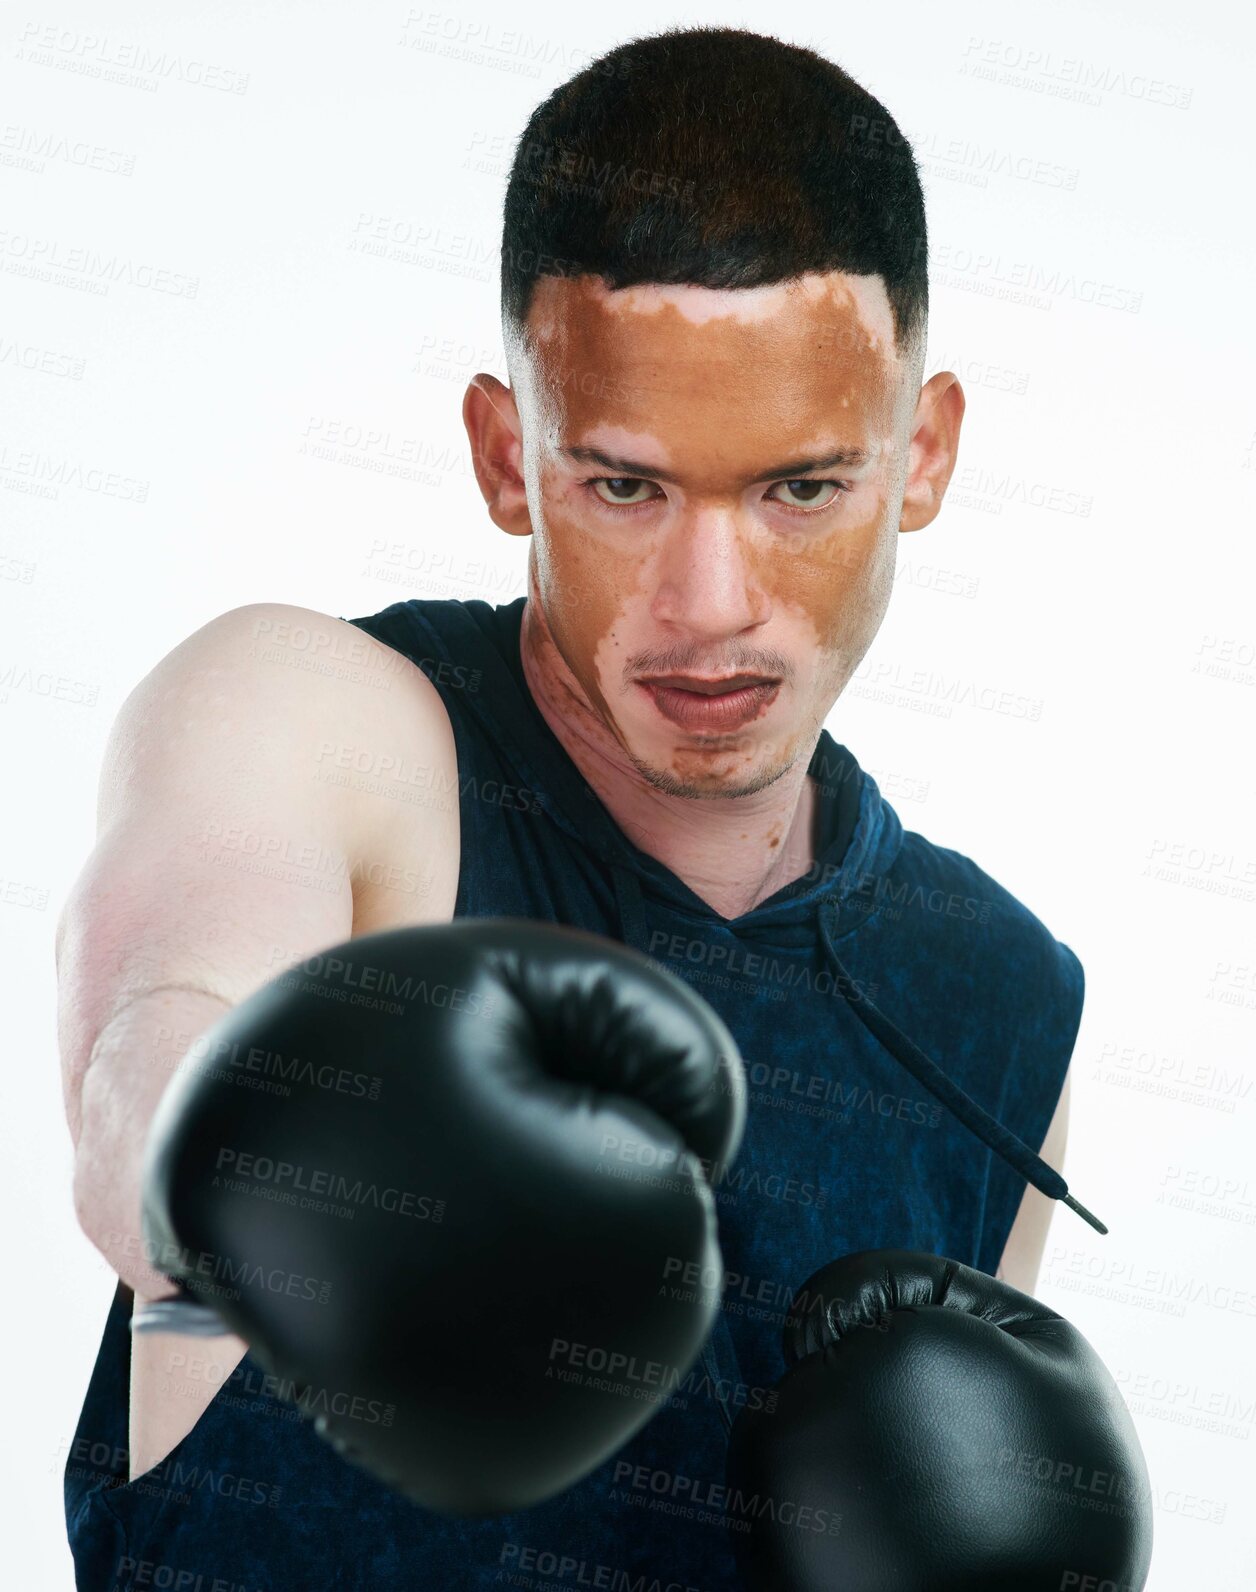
(720, 158)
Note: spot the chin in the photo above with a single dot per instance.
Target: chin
(678, 769)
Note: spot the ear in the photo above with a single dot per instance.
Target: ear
(491, 417)
(934, 447)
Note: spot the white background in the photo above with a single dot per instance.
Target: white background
(1092, 268)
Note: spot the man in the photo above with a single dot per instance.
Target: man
(714, 304)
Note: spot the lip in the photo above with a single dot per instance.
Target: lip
(705, 707)
(708, 685)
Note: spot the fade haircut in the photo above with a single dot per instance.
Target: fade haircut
(719, 158)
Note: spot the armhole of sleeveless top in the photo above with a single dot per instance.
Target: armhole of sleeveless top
(1030, 1112)
(395, 627)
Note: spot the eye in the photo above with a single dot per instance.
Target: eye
(624, 491)
(621, 488)
(809, 504)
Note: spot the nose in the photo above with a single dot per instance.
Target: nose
(707, 582)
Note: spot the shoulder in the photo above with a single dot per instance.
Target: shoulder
(976, 956)
(355, 723)
(956, 902)
(359, 726)
(264, 665)
(298, 658)
(418, 625)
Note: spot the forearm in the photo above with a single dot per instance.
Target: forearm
(134, 1058)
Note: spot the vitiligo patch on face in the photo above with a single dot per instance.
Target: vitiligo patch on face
(713, 389)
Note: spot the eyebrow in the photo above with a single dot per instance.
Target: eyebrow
(840, 459)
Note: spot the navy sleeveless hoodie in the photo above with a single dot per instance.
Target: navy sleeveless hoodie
(846, 1148)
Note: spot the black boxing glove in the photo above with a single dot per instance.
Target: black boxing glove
(459, 1207)
(936, 1431)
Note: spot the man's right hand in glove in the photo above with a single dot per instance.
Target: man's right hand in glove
(478, 1244)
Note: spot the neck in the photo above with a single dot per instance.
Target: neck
(731, 851)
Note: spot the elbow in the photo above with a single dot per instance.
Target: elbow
(101, 1208)
(86, 1194)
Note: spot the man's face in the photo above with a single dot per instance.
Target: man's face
(680, 526)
